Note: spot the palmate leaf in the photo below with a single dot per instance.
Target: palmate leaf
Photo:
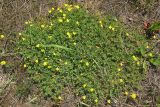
(156, 61)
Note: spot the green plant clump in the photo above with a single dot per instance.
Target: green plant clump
(73, 49)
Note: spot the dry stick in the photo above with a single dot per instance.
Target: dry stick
(3, 97)
(84, 104)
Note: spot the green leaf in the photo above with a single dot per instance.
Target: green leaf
(57, 46)
(142, 50)
(156, 61)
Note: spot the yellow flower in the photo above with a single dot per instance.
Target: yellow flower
(84, 85)
(76, 6)
(74, 33)
(138, 63)
(42, 50)
(60, 11)
(26, 23)
(147, 47)
(2, 36)
(57, 69)
(87, 63)
(3, 62)
(109, 101)
(64, 15)
(74, 43)
(69, 9)
(91, 90)
(110, 27)
(54, 53)
(84, 97)
(121, 64)
(101, 25)
(51, 24)
(134, 58)
(49, 37)
(66, 5)
(45, 63)
(121, 80)
(49, 11)
(42, 26)
(58, 8)
(60, 20)
(127, 34)
(36, 61)
(113, 29)
(38, 45)
(96, 100)
(126, 93)
(49, 67)
(67, 20)
(53, 8)
(23, 39)
(66, 63)
(69, 35)
(100, 22)
(20, 34)
(150, 54)
(24, 65)
(119, 69)
(59, 98)
(154, 37)
(133, 95)
(77, 22)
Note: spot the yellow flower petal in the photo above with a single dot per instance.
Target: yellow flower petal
(57, 69)
(38, 45)
(109, 101)
(3, 62)
(42, 26)
(133, 95)
(2, 36)
(64, 15)
(96, 100)
(121, 80)
(50, 11)
(84, 97)
(60, 20)
(119, 69)
(36, 60)
(126, 93)
(134, 58)
(91, 90)
(53, 8)
(76, 6)
(49, 67)
(150, 54)
(87, 63)
(45, 63)
(84, 85)
(24, 65)
(59, 98)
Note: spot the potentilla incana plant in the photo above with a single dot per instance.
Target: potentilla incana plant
(94, 57)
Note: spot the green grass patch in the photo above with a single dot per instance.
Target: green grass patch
(97, 58)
